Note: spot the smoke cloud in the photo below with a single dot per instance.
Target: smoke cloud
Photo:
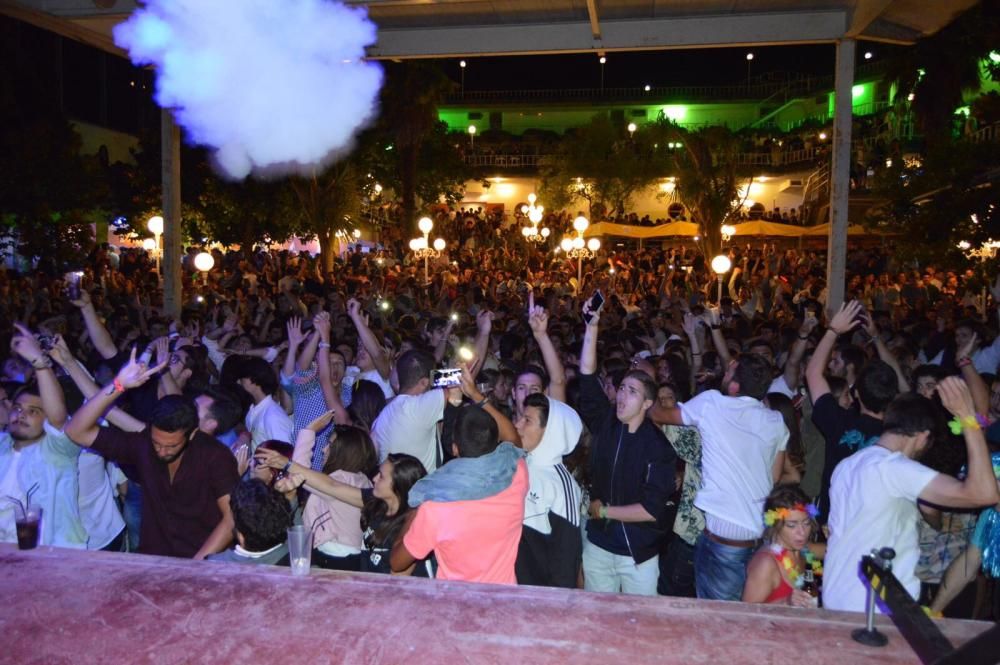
(272, 86)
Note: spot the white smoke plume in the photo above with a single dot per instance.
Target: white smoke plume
(272, 86)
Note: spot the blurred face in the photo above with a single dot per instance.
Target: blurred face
(206, 423)
(795, 531)
(846, 401)
(169, 446)
(529, 427)
(501, 390)
(926, 385)
(666, 397)
(178, 363)
(526, 384)
(26, 418)
(631, 400)
(962, 336)
(836, 365)
(338, 367)
(363, 360)
(383, 482)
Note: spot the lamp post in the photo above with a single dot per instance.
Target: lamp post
(749, 60)
(472, 136)
(631, 129)
(580, 249)
(461, 66)
(422, 248)
(155, 226)
(720, 266)
(602, 61)
(533, 233)
(204, 262)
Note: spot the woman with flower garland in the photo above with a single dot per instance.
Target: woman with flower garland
(777, 571)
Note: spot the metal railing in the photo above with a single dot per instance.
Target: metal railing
(987, 134)
(783, 158)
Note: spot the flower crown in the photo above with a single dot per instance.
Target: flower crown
(774, 515)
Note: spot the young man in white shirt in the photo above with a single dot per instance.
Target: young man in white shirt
(874, 493)
(265, 420)
(743, 444)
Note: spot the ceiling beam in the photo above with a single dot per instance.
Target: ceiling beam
(60, 26)
(864, 13)
(632, 35)
(595, 21)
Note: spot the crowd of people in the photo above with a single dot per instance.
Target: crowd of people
(648, 430)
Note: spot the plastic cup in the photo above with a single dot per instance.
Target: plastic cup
(300, 549)
(27, 521)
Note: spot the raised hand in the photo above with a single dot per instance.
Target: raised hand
(538, 319)
(956, 397)
(25, 345)
(846, 319)
(135, 373)
(83, 300)
(321, 322)
(320, 423)
(270, 458)
(690, 324)
(968, 347)
(484, 321)
(242, 459)
(60, 351)
(291, 482)
(162, 347)
(353, 308)
(295, 336)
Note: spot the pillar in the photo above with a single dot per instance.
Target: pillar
(840, 175)
(170, 174)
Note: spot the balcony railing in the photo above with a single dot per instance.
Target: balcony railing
(784, 158)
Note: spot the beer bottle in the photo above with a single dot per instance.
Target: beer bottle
(809, 582)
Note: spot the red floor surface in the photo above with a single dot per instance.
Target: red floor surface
(62, 606)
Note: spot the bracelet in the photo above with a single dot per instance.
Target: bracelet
(803, 337)
(964, 362)
(956, 425)
(324, 345)
(42, 362)
(602, 512)
(481, 403)
(287, 467)
(119, 388)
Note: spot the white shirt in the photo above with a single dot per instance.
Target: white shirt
(740, 439)
(98, 510)
(266, 421)
(408, 424)
(10, 486)
(873, 504)
(376, 378)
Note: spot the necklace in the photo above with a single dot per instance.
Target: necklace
(786, 562)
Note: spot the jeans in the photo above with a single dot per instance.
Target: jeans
(613, 573)
(720, 571)
(677, 570)
(132, 512)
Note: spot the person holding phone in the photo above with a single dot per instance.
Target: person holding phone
(633, 477)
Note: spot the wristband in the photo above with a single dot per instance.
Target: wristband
(964, 362)
(287, 467)
(956, 425)
(481, 403)
(42, 362)
(119, 388)
(324, 345)
(602, 512)
(803, 337)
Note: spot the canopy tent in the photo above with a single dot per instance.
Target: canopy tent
(689, 229)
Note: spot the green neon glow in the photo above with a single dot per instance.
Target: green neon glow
(994, 56)
(857, 91)
(675, 112)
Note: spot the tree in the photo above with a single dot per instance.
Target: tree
(950, 196)
(410, 96)
(709, 181)
(604, 165)
(940, 69)
(328, 202)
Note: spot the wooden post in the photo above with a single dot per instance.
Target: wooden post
(840, 176)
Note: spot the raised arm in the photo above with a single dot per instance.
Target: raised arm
(884, 354)
(295, 339)
(99, 335)
(25, 345)
(88, 387)
(314, 481)
(82, 428)
(507, 431)
(484, 324)
(368, 339)
(718, 339)
(793, 364)
(538, 319)
(842, 322)
(977, 387)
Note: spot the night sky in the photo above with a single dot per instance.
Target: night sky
(716, 66)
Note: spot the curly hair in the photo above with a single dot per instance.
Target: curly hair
(261, 514)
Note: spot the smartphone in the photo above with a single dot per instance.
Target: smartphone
(72, 280)
(446, 378)
(595, 303)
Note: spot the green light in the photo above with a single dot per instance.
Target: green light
(675, 112)
(963, 110)
(994, 56)
(857, 91)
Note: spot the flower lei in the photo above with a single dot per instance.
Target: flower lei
(787, 563)
(956, 425)
(774, 515)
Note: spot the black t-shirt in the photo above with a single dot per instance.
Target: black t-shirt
(375, 557)
(845, 431)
